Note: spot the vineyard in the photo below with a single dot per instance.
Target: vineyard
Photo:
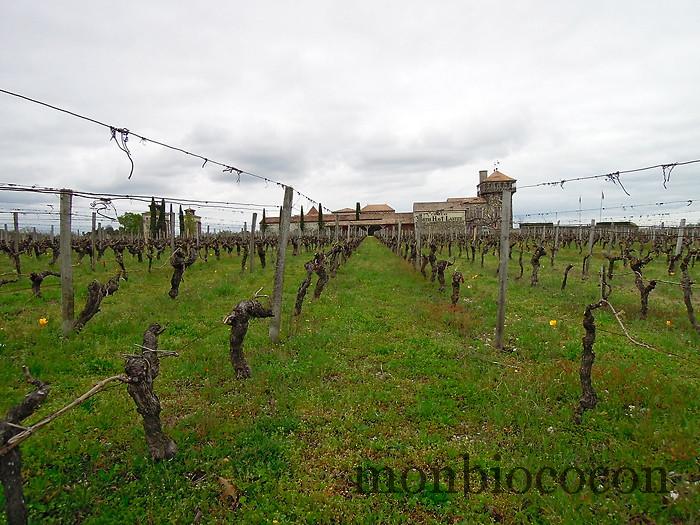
(385, 361)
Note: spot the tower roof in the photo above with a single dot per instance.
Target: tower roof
(497, 176)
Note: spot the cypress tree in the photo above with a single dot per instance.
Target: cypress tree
(162, 229)
(357, 211)
(301, 220)
(263, 223)
(182, 222)
(154, 219)
(320, 218)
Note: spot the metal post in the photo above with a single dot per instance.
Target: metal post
(503, 267)
(283, 238)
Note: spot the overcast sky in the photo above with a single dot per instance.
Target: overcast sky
(372, 101)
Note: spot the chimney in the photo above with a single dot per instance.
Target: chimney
(482, 175)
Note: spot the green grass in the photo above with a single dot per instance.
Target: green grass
(381, 371)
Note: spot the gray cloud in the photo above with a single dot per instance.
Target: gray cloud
(372, 101)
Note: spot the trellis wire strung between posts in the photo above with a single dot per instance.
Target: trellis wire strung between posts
(123, 138)
(614, 177)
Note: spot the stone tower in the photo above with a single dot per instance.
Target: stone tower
(490, 189)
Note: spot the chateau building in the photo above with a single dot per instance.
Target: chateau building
(455, 213)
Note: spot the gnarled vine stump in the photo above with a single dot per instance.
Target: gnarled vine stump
(11, 461)
(588, 399)
(423, 263)
(238, 320)
(457, 278)
(440, 269)
(686, 286)
(177, 261)
(245, 257)
(38, 278)
(320, 269)
(142, 369)
(535, 262)
(566, 275)
(96, 292)
(303, 287)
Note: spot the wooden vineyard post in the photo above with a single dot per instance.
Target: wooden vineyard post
(92, 242)
(251, 247)
(556, 237)
(503, 267)
(172, 229)
(398, 241)
(337, 225)
(283, 238)
(679, 240)
(591, 235)
(15, 217)
(419, 244)
(65, 249)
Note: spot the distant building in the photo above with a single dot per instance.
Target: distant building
(147, 224)
(484, 210)
(196, 220)
(614, 226)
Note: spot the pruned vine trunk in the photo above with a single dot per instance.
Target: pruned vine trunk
(11, 461)
(457, 279)
(535, 262)
(38, 278)
(96, 292)
(320, 269)
(142, 369)
(245, 257)
(441, 267)
(177, 261)
(644, 291)
(423, 263)
(588, 399)
(686, 286)
(566, 275)
(303, 287)
(238, 320)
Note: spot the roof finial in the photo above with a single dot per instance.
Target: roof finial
(495, 165)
